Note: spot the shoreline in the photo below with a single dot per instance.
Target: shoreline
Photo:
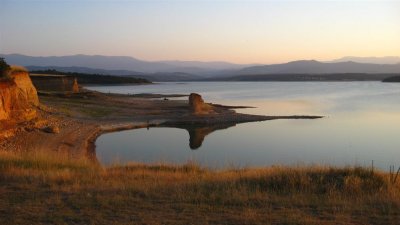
(82, 118)
(91, 139)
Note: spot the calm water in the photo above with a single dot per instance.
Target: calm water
(362, 124)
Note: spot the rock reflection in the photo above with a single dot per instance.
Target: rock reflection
(198, 133)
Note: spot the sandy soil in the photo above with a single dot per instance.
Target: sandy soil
(77, 120)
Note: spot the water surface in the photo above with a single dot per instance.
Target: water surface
(362, 124)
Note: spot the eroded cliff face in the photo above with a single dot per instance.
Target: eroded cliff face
(18, 99)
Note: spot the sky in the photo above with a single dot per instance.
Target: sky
(245, 31)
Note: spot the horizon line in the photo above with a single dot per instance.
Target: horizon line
(209, 61)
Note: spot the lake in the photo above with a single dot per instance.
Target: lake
(361, 124)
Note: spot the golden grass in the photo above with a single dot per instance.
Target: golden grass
(17, 69)
(6, 75)
(45, 188)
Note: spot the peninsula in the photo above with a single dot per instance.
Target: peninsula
(70, 121)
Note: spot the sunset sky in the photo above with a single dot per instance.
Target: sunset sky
(223, 30)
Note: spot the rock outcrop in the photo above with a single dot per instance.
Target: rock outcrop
(55, 83)
(18, 99)
(75, 86)
(198, 106)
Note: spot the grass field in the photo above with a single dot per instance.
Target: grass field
(45, 188)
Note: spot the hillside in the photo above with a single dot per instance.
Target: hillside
(306, 77)
(85, 78)
(315, 67)
(374, 60)
(120, 63)
(116, 75)
(195, 71)
(392, 79)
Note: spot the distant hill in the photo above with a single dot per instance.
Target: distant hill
(292, 71)
(392, 79)
(315, 67)
(194, 70)
(157, 77)
(216, 65)
(373, 60)
(84, 78)
(177, 76)
(120, 63)
(306, 77)
(75, 69)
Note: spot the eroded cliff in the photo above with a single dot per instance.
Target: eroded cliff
(18, 100)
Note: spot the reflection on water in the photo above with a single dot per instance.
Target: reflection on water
(198, 133)
(362, 124)
(284, 107)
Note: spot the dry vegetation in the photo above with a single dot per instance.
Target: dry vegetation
(17, 69)
(5, 73)
(38, 188)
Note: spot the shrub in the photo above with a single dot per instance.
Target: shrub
(4, 68)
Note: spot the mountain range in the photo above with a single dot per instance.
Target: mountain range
(120, 63)
(373, 60)
(195, 70)
(315, 67)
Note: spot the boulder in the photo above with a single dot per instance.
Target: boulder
(52, 129)
(197, 104)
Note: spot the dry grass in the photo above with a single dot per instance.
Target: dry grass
(44, 188)
(6, 76)
(17, 69)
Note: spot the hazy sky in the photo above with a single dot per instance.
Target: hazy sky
(236, 31)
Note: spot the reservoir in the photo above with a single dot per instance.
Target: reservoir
(361, 124)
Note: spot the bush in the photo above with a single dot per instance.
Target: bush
(4, 68)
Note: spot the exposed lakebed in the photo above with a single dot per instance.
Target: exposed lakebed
(362, 124)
